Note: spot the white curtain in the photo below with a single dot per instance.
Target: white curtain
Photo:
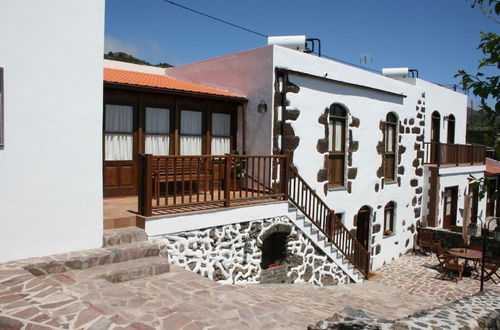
(390, 135)
(338, 136)
(157, 121)
(190, 132)
(221, 132)
(119, 119)
(387, 222)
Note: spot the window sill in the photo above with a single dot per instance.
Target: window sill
(390, 235)
(390, 182)
(336, 188)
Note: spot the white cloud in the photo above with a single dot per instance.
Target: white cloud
(112, 44)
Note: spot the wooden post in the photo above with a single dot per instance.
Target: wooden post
(146, 185)
(438, 154)
(227, 182)
(285, 175)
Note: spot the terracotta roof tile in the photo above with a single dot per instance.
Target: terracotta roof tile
(492, 167)
(135, 78)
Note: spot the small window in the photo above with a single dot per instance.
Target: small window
(221, 134)
(389, 219)
(157, 140)
(191, 132)
(337, 132)
(390, 146)
(1, 110)
(118, 132)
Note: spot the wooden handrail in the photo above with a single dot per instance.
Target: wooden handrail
(436, 153)
(325, 220)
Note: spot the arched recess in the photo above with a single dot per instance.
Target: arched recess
(435, 126)
(451, 130)
(363, 225)
(390, 138)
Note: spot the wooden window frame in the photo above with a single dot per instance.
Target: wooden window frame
(390, 154)
(2, 123)
(389, 207)
(133, 133)
(232, 130)
(171, 135)
(337, 156)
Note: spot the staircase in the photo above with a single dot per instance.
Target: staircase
(323, 227)
(126, 255)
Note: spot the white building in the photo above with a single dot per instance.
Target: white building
(50, 158)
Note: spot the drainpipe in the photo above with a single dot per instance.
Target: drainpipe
(244, 127)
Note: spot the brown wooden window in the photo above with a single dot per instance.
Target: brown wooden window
(221, 134)
(1, 110)
(118, 132)
(389, 219)
(390, 146)
(157, 137)
(191, 134)
(337, 132)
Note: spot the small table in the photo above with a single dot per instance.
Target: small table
(467, 254)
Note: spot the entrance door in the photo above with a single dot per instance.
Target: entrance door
(363, 226)
(119, 164)
(450, 207)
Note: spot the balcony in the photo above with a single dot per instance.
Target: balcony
(447, 154)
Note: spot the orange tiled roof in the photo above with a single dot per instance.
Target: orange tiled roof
(135, 78)
(492, 167)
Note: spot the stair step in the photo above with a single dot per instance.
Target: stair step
(112, 237)
(135, 269)
(92, 258)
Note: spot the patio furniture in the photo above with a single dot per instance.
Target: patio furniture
(425, 241)
(451, 266)
(441, 254)
(468, 255)
(492, 272)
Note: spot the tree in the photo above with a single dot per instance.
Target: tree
(484, 86)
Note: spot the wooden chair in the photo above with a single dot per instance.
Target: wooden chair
(492, 272)
(450, 266)
(425, 241)
(441, 254)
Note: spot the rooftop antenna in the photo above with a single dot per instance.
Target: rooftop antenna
(365, 59)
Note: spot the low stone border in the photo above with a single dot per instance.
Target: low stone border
(480, 311)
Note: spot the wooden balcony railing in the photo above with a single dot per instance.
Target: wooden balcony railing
(169, 182)
(436, 153)
(325, 219)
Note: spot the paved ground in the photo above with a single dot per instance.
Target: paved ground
(183, 300)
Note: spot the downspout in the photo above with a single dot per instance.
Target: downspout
(244, 127)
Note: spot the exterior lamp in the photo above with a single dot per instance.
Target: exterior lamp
(262, 107)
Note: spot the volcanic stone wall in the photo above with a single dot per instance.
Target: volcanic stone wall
(232, 253)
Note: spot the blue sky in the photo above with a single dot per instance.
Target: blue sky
(437, 37)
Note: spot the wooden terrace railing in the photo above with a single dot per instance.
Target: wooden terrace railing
(175, 181)
(438, 154)
(325, 219)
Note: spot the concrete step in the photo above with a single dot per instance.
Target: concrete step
(92, 258)
(119, 236)
(134, 269)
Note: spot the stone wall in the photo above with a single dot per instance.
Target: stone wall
(232, 253)
(451, 239)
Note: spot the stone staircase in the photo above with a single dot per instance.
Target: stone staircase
(126, 255)
(321, 242)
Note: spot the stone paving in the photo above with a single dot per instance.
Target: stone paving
(180, 299)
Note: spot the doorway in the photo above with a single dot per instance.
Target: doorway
(450, 207)
(363, 225)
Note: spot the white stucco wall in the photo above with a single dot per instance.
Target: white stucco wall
(446, 102)
(51, 166)
(133, 67)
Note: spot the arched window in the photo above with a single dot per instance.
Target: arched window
(391, 124)
(451, 129)
(389, 219)
(337, 131)
(435, 126)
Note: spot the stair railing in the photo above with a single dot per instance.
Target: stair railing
(325, 219)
